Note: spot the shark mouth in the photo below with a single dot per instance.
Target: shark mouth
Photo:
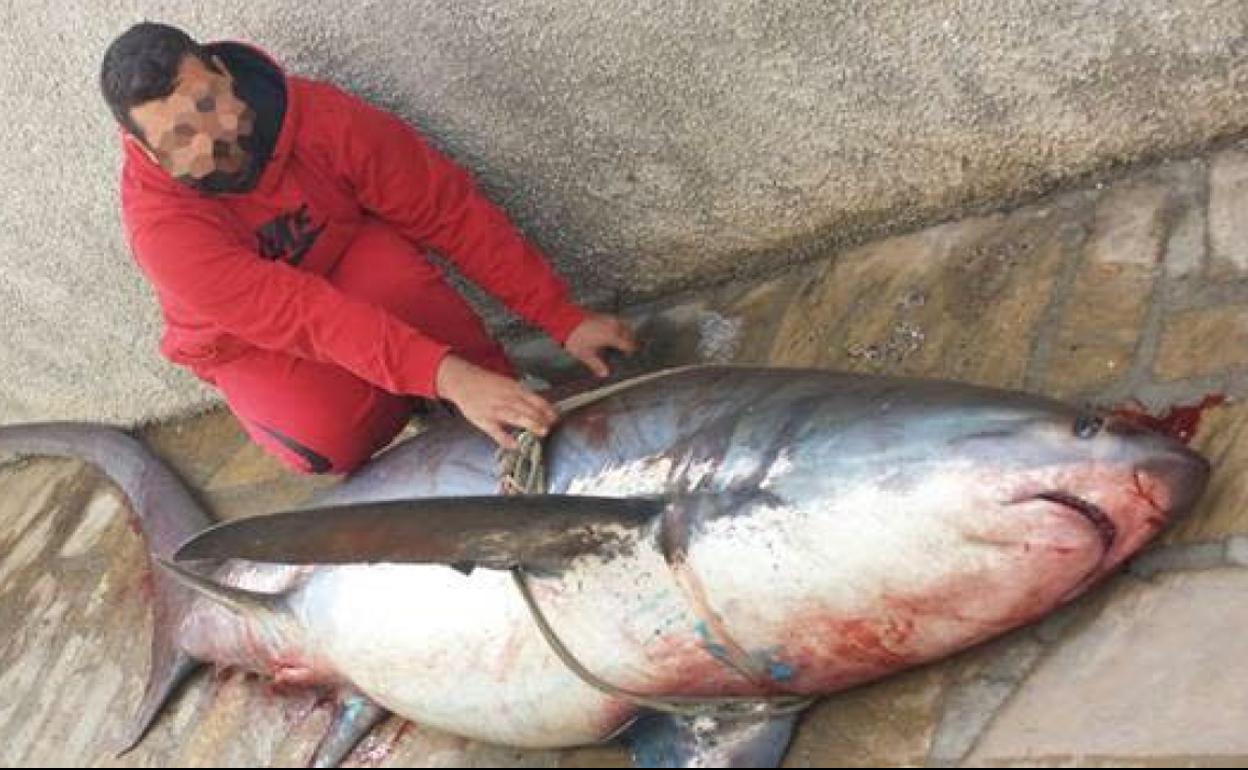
(1097, 517)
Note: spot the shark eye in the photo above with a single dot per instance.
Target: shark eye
(1088, 425)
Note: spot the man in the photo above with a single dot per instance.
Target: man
(283, 225)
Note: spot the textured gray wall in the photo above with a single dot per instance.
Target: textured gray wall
(645, 143)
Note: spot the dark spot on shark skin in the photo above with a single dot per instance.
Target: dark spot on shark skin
(222, 674)
(596, 429)
(1178, 422)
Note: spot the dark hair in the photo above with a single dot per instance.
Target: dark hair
(142, 65)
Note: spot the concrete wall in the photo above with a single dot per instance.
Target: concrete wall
(646, 144)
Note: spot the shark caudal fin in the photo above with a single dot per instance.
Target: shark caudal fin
(167, 515)
(169, 669)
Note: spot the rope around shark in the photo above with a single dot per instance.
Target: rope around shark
(522, 471)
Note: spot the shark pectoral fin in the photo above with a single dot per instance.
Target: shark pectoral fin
(663, 740)
(494, 531)
(356, 717)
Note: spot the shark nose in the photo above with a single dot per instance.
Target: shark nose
(1174, 479)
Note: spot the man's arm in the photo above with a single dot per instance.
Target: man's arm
(399, 178)
(432, 201)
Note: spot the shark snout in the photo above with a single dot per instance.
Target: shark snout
(1172, 480)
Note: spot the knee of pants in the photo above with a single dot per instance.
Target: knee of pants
(300, 457)
(339, 454)
(318, 461)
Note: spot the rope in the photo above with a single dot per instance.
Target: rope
(522, 472)
(724, 707)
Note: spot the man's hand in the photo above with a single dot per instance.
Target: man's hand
(493, 402)
(596, 332)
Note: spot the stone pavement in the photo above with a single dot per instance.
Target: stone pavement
(1132, 291)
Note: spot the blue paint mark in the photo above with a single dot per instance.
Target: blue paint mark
(715, 649)
(781, 672)
(718, 650)
(776, 669)
(703, 632)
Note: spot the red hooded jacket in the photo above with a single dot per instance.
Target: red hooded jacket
(337, 160)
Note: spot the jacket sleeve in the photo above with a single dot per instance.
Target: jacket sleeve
(194, 260)
(398, 177)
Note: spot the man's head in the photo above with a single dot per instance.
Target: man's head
(180, 103)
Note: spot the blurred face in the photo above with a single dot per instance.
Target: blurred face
(201, 133)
